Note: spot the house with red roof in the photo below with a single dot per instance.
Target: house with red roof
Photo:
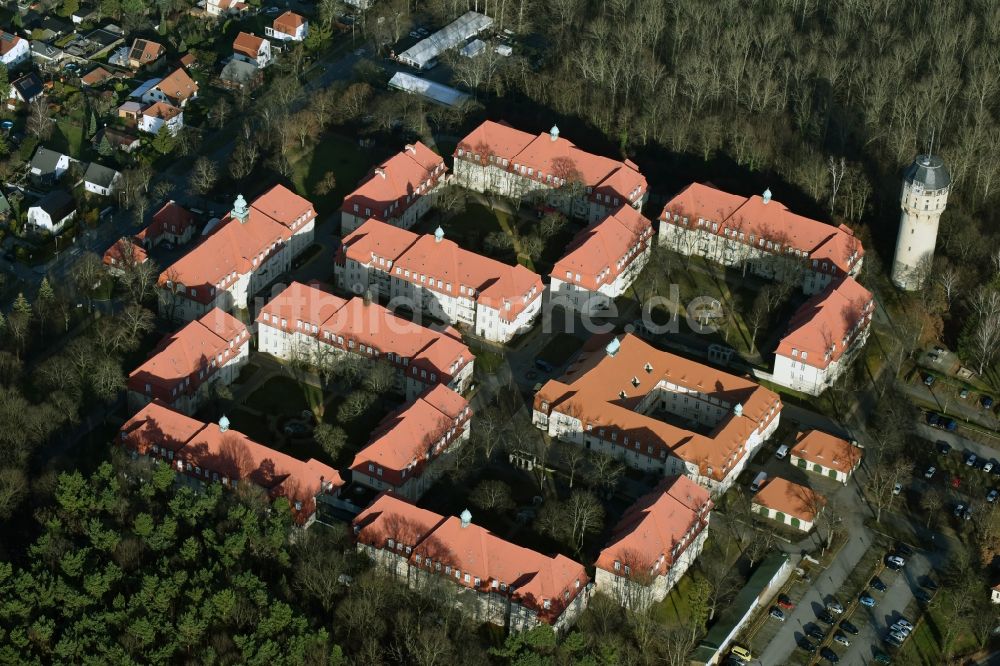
(13, 49)
(173, 223)
(161, 114)
(203, 453)
(306, 323)
(435, 276)
(252, 49)
(123, 254)
(656, 541)
(622, 397)
(219, 8)
(399, 191)
(602, 261)
(289, 27)
(176, 88)
(822, 453)
(494, 580)
(760, 235)
(789, 503)
(182, 369)
(497, 158)
(404, 452)
(249, 248)
(823, 337)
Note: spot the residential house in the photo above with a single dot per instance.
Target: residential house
(100, 179)
(288, 27)
(494, 580)
(623, 397)
(602, 261)
(176, 88)
(144, 52)
(226, 8)
(435, 276)
(118, 139)
(788, 503)
(203, 453)
(656, 541)
(399, 191)
(252, 49)
(52, 212)
(824, 336)
(239, 74)
(95, 77)
(824, 454)
(404, 451)
(26, 89)
(172, 223)
(498, 158)
(122, 255)
(47, 166)
(130, 112)
(13, 49)
(311, 325)
(249, 248)
(182, 369)
(995, 594)
(759, 235)
(119, 57)
(161, 114)
(45, 55)
(188, 60)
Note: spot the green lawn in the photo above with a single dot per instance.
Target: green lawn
(68, 138)
(560, 348)
(282, 396)
(469, 228)
(336, 153)
(924, 645)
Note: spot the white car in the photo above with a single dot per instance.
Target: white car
(903, 622)
(992, 496)
(988, 466)
(898, 488)
(929, 474)
(896, 561)
(971, 460)
(900, 628)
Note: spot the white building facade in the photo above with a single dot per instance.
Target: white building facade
(926, 184)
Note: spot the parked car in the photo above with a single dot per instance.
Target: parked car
(928, 380)
(898, 628)
(741, 652)
(986, 401)
(951, 425)
(956, 481)
(929, 583)
(777, 614)
(897, 488)
(992, 495)
(878, 585)
(898, 635)
(959, 510)
(834, 607)
(943, 447)
(933, 420)
(970, 460)
(895, 561)
(963, 394)
(929, 474)
(825, 617)
(881, 657)
(814, 631)
(848, 627)
(867, 600)
(988, 466)
(842, 639)
(543, 365)
(785, 602)
(807, 645)
(829, 655)
(892, 640)
(781, 452)
(967, 514)
(923, 595)
(903, 622)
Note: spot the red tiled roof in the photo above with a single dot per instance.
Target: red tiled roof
(124, 248)
(161, 110)
(288, 23)
(831, 318)
(188, 59)
(591, 391)
(145, 51)
(508, 289)
(7, 42)
(791, 499)
(770, 221)
(410, 437)
(369, 325)
(234, 247)
(605, 249)
(815, 446)
(530, 577)
(247, 44)
(95, 76)
(185, 360)
(559, 159)
(178, 86)
(396, 183)
(649, 530)
(171, 218)
(229, 454)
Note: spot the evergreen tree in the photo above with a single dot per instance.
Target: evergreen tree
(163, 142)
(92, 130)
(104, 147)
(4, 82)
(46, 295)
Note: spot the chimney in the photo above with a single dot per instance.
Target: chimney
(438, 235)
(380, 171)
(767, 195)
(554, 132)
(466, 518)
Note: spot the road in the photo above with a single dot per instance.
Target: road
(958, 442)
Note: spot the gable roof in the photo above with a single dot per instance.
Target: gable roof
(99, 175)
(649, 531)
(178, 86)
(600, 253)
(288, 22)
(95, 76)
(124, 250)
(57, 203)
(765, 221)
(789, 498)
(171, 218)
(239, 71)
(396, 184)
(815, 446)
(161, 110)
(29, 86)
(45, 160)
(592, 388)
(145, 87)
(247, 44)
(824, 327)
(8, 41)
(144, 51)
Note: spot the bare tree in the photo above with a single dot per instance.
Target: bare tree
(39, 119)
(203, 176)
(492, 495)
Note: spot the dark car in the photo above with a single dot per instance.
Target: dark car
(892, 640)
(848, 627)
(951, 425)
(943, 447)
(903, 549)
(986, 401)
(933, 419)
(807, 645)
(923, 595)
(881, 657)
(928, 380)
(929, 583)
(544, 366)
(825, 617)
(829, 655)
(813, 631)
(878, 585)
